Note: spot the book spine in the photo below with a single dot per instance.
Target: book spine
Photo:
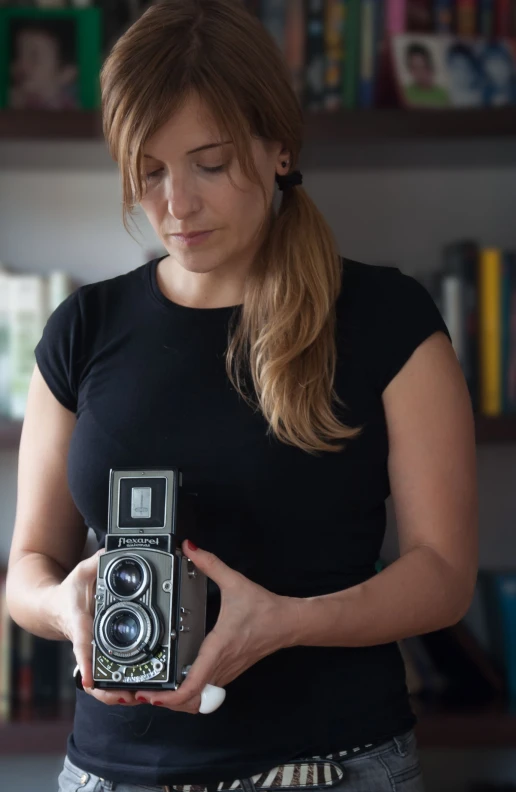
(334, 24)
(315, 56)
(273, 19)
(419, 16)
(460, 275)
(502, 22)
(486, 18)
(395, 16)
(466, 22)
(489, 334)
(295, 43)
(443, 16)
(28, 313)
(368, 15)
(511, 364)
(352, 50)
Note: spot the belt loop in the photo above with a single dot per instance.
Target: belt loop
(248, 785)
(401, 746)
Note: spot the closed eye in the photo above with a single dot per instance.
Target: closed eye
(156, 173)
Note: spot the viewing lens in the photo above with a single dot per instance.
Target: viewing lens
(123, 629)
(126, 577)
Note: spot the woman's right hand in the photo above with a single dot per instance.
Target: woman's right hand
(74, 609)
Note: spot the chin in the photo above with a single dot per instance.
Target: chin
(194, 262)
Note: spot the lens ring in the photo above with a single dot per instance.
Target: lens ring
(127, 577)
(140, 649)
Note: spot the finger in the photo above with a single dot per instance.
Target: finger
(169, 700)
(112, 697)
(211, 565)
(82, 648)
(204, 669)
(88, 566)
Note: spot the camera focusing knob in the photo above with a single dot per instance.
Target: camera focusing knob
(191, 570)
(185, 613)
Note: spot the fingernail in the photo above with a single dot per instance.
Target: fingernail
(191, 545)
(158, 703)
(140, 698)
(121, 701)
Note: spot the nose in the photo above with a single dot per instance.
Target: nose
(182, 197)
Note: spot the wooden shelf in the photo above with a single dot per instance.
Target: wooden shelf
(492, 725)
(337, 126)
(53, 125)
(495, 429)
(38, 736)
(498, 429)
(487, 726)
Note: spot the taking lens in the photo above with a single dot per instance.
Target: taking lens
(126, 577)
(123, 629)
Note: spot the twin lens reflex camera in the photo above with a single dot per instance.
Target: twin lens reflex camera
(150, 599)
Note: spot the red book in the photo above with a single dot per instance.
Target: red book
(503, 13)
(466, 11)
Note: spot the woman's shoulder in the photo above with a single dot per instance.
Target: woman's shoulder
(364, 284)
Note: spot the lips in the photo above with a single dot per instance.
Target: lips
(192, 234)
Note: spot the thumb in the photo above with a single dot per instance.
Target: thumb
(210, 564)
(92, 560)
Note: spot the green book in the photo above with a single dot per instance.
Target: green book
(351, 54)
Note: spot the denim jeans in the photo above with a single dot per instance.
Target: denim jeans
(393, 766)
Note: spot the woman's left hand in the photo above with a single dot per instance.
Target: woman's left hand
(252, 623)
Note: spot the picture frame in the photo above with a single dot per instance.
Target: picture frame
(50, 58)
(446, 71)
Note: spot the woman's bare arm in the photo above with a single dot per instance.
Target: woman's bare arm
(49, 532)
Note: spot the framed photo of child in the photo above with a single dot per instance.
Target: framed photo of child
(50, 59)
(420, 70)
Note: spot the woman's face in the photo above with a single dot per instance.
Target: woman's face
(37, 63)
(188, 190)
(498, 69)
(461, 72)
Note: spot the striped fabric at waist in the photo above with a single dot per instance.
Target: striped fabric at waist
(305, 773)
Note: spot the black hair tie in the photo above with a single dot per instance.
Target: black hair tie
(289, 180)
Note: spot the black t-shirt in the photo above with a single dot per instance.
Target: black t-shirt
(146, 378)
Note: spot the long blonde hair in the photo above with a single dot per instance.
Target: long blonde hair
(285, 335)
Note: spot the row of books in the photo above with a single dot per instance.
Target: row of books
(345, 53)
(26, 302)
(463, 17)
(469, 663)
(475, 291)
(35, 673)
(451, 664)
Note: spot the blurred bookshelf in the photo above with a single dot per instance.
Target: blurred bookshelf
(488, 430)
(492, 725)
(323, 126)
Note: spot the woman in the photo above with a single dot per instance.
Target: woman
(295, 389)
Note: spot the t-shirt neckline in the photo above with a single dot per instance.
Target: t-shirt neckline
(183, 310)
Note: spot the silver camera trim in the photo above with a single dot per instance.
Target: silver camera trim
(146, 576)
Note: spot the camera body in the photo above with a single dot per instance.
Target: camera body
(150, 599)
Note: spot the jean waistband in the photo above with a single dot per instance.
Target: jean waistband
(307, 773)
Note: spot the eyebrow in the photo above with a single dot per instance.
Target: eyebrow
(199, 148)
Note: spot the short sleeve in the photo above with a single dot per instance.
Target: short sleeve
(58, 352)
(404, 315)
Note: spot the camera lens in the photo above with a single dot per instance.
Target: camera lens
(126, 577)
(123, 629)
